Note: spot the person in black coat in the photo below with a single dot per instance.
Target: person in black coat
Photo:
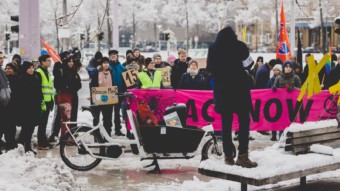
(227, 60)
(67, 83)
(29, 100)
(179, 68)
(334, 75)
(192, 79)
(263, 74)
(10, 119)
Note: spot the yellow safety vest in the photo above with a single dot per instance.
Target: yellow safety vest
(47, 86)
(146, 80)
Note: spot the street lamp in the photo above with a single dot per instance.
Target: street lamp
(159, 27)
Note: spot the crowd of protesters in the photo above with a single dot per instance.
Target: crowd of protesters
(32, 92)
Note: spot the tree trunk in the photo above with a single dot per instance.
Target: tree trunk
(109, 25)
(133, 30)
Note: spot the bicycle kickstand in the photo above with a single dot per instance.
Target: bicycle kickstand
(156, 170)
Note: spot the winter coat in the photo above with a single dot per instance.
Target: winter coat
(13, 107)
(94, 82)
(262, 76)
(92, 68)
(29, 100)
(177, 70)
(225, 62)
(287, 80)
(67, 80)
(334, 77)
(188, 82)
(271, 82)
(117, 69)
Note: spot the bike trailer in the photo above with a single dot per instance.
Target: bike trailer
(166, 139)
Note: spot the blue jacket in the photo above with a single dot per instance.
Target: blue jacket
(262, 77)
(117, 69)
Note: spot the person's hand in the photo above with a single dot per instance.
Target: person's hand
(290, 89)
(274, 88)
(43, 106)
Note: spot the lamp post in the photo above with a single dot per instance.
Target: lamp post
(159, 27)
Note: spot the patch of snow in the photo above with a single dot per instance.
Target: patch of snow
(296, 127)
(271, 162)
(322, 149)
(24, 172)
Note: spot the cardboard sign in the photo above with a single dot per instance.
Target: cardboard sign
(104, 95)
(165, 76)
(130, 77)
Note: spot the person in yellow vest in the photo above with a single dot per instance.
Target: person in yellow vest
(48, 99)
(150, 78)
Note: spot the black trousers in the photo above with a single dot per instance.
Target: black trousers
(106, 111)
(56, 119)
(25, 136)
(42, 139)
(243, 132)
(117, 108)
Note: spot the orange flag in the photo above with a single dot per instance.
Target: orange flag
(283, 51)
(54, 55)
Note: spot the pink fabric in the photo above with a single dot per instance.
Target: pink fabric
(271, 110)
(104, 79)
(65, 107)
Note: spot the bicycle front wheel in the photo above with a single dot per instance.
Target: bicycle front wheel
(79, 158)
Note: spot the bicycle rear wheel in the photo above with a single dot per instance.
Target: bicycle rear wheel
(79, 158)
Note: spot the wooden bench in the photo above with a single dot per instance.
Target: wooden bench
(299, 142)
(302, 174)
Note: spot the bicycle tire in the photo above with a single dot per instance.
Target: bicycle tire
(208, 149)
(67, 145)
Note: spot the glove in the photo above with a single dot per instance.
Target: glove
(43, 106)
(290, 89)
(274, 88)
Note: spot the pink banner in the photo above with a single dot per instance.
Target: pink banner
(270, 111)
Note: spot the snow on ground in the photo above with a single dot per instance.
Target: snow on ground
(24, 172)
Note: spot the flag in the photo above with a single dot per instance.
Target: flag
(299, 50)
(244, 34)
(335, 90)
(283, 51)
(312, 83)
(54, 55)
(329, 62)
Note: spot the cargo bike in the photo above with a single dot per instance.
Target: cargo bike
(83, 147)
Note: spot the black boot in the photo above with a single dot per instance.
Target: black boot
(119, 133)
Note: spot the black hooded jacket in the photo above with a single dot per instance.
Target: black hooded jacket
(67, 79)
(225, 62)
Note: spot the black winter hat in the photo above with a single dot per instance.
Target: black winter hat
(148, 60)
(113, 52)
(259, 59)
(104, 59)
(26, 65)
(288, 62)
(17, 57)
(13, 66)
(128, 52)
(98, 55)
(272, 62)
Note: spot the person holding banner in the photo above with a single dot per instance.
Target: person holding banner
(192, 79)
(104, 79)
(157, 58)
(150, 78)
(228, 58)
(117, 69)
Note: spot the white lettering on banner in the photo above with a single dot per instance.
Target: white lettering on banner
(247, 61)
